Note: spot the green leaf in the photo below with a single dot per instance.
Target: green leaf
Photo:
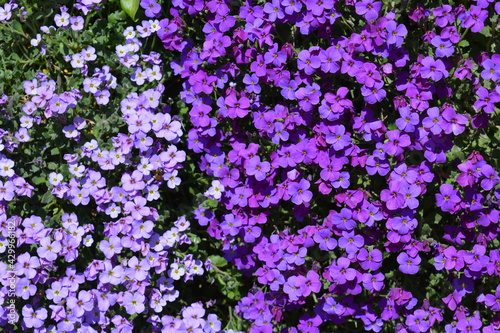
(52, 166)
(212, 203)
(130, 7)
(218, 261)
(17, 25)
(38, 180)
(119, 16)
(47, 197)
(194, 238)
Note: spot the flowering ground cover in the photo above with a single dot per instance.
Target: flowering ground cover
(249, 166)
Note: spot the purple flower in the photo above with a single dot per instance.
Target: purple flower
(324, 239)
(373, 282)
(24, 289)
(444, 48)
(393, 197)
(237, 107)
(308, 324)
(407, 264)
(342, 180)
(79, 305)
(471, 325)
(486, 100)
(491, 70)
(274, 10)
(433, 69)
(411, 193)
(57, 292)
(299, 192)
(254, 167)
(26, 264)
(395, 33)
(6, 12)
(396, 142)
(368, 8)
(292, 289)
(241, 195)
(351, 242)
(416, 322)
(338, 139)
(309, 283)
(48, 250)
(275, 57)
(307, 62)
(491, 177)
(343, 221)
(474, 18)
(33, 318)
(375, 164)
(404, 224)
(7, 190)
(408, 120)
(493, 301)
(368, 75)
(453, 122)
(448, 198)
(369, 260)
(340, 272)
(477, 259)
(374, 94)
(137, 208)
(151, 7)
(332, 307)
(252, 83)
(433, 121)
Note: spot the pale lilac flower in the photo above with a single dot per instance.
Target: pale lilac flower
(176, 272)
(76, 23)
(6, 167)
(33, 318)
(6, 12)
(172, 179)
(77, 61)
(22, 135)
(133, 303)
(113, 210)
(111, 247)
(62, 20)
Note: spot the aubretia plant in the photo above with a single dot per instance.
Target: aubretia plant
(90, 239)
(269, 166)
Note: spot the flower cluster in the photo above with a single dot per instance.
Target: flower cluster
(345, 155)
(127, 260)
(288, 131)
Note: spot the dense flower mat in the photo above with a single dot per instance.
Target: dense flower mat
(259, 166)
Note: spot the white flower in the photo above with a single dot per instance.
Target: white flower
(88, 240)
(77, 61)
(216, 190)
(129, 33)
(55, 178)
(37, 40)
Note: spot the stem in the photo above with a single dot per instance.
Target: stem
(465, 33)
(14, 30)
